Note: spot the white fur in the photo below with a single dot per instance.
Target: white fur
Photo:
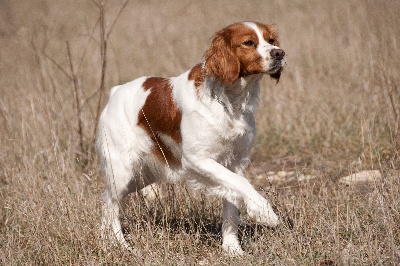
(216, 142)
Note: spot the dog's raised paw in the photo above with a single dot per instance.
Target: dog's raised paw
(261, 211)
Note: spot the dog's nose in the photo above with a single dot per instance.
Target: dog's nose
(277, 54)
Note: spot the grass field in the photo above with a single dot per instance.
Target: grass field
(334, 112)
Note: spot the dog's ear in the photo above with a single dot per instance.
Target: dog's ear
(220, 61)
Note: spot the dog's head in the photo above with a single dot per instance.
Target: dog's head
(243, 49)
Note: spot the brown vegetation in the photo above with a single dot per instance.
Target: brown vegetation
(335, 111)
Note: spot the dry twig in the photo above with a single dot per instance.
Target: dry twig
(77, 103)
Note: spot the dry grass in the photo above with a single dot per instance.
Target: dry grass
(334, 111)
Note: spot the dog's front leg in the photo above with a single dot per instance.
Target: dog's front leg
(230, 221)
(238, 186)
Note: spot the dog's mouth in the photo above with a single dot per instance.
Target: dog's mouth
(276, 69)
(276, 76)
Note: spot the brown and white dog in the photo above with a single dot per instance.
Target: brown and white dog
(198, 127)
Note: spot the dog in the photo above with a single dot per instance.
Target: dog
(198, 127)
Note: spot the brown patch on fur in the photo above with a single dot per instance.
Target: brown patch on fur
(198, 74)
(163, 116)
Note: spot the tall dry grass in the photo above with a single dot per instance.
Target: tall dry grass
(332, 113)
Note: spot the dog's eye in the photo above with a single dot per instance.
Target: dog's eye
(249, 43)
(271, 41)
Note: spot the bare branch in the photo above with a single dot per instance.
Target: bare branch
(103, 51)
(87, 44)
(396, 111)
(95, 3)
(77, 101)
(57, 65)
(116, 18)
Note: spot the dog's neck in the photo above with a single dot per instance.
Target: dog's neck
(237, 98)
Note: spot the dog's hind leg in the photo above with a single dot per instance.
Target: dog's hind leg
(123, 176)
(111, 226)
(119, 183)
